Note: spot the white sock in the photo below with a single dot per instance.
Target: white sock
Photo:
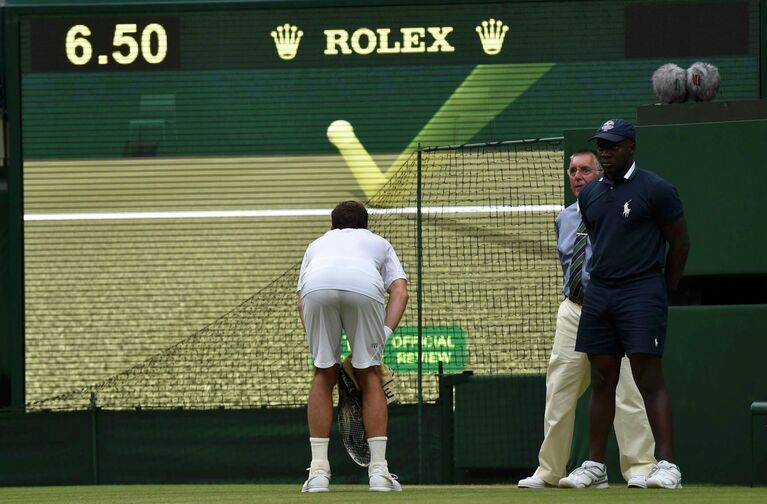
(377, 450)
(319, 453)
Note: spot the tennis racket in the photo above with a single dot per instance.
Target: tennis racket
(350, 416)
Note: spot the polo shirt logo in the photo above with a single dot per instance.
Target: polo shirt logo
(626, 209)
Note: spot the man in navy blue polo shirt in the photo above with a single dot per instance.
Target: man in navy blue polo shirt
(631, 215)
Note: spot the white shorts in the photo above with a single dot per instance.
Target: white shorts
(328, 311)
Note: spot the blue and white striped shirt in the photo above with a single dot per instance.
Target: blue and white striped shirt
(566, 225)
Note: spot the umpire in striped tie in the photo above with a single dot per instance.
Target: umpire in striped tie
(568, 372)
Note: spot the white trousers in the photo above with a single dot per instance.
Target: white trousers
(567, 378)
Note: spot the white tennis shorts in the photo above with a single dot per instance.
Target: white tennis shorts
(328, 311)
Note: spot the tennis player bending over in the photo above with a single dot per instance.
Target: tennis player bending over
(342, 282)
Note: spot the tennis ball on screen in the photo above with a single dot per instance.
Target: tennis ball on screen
(341, 132)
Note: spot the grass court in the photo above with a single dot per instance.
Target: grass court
(463, 494)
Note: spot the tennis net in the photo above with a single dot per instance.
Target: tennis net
(490, 283)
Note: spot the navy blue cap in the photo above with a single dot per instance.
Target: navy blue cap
(616, 130)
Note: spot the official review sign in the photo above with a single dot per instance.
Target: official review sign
(439, 343)
(446, 344)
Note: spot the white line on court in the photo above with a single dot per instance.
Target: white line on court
(301, 212)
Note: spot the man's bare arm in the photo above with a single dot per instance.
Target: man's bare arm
(398, 297)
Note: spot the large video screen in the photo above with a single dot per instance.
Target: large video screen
(177, 161)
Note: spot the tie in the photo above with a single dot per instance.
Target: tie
(576, 265)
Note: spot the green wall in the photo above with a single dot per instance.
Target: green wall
(177, 446)
(12, 392)
(763, 50)
(711, 166)
(509, 407)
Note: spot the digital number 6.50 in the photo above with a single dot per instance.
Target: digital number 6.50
(80, 51)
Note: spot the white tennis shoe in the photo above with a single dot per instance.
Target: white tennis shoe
(589, 475)
(664, 475)
(381, 480)
(318, 481)
(533, 482)
(638, 481)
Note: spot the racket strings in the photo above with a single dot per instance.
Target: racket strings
(350, 424)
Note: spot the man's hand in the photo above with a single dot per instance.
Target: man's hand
(300, 308)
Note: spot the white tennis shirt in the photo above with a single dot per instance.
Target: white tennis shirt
(350, 259)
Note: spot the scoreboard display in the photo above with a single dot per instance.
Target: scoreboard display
(252, 78)
(284, 75)
(142, 43)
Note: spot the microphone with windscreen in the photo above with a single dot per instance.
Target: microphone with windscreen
(702, 81)
(669, 82)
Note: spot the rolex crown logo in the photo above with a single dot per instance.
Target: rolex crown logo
(286, 40)
(491, 34)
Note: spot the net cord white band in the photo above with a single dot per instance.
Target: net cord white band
(302, 212)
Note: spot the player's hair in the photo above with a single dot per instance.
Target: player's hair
(349, 214)
(594, 157)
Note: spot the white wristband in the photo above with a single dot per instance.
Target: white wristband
(387, 333)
